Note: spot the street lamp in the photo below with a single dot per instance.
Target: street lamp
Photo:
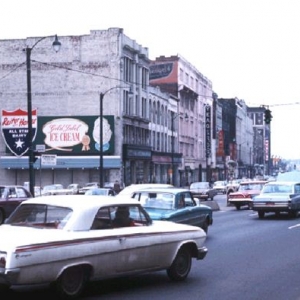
(173, 117)
(56, 46)
(101, 169)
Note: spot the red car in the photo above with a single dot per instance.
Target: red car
(244, 194)
(10, 197)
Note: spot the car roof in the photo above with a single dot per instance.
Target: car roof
(253, 182)
(130, 189)
(77, 201)
(171, 190)
(282, 182)
(12, 185)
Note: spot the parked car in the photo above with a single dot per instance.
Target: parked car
(55, 189)
(203, 190)
(175, 204)
(100, 192)
(78, 243)
(130, 189)
(246, 191)
(88, 186)
(10, 197)
(220, 187)
(74, 187)
(277, 197)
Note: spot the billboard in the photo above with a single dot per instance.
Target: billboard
(75, 135)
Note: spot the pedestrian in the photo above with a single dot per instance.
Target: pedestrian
(117, 187)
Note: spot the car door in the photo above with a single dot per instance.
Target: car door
(129, 248)
(187, 213)
(196, 214)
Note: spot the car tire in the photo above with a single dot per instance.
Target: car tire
(238, 206)
(261, 214)
(181, 265)
(71, 282)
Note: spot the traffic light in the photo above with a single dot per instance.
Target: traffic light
(268, 116)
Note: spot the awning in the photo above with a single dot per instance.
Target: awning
(62, 162)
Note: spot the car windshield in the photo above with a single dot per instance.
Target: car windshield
(97, 192)
(251, 186)
(158, 200)
(282, 188)
(40, 215)
(217, 183)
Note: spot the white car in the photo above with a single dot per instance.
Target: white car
(55, 189)
(69, 240)
(88, 186)
(131, 189)
(220, 187)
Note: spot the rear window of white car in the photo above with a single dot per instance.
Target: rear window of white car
(40, 215)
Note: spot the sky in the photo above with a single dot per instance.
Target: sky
(248, 49)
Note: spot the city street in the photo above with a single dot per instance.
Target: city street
(248, 259)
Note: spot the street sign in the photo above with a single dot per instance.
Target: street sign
(40, 148)
(48, 159)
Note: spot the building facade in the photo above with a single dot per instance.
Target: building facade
(177, 76)
(160, 120)
(66, 93)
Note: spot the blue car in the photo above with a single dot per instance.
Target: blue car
(175, 204)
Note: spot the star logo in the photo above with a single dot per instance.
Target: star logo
(19, 143)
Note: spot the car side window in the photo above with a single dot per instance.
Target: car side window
(189, 200)
(102, 219)
(119, 216)
(12, 193)
(297, 188)
(21, 193)
(181, 201)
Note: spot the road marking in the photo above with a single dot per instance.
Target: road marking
(294, 226)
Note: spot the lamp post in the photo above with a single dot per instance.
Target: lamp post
(101, 168)
(56, 46)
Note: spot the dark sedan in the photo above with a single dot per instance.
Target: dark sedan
(175, 204)
(10, 197)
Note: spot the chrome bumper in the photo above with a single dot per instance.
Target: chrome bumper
(202, 252)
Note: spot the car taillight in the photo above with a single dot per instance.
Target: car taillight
(2, 259)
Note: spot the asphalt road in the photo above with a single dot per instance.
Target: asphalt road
(248, 259)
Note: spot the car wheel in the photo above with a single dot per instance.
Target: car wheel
(261, 214)
(238, 206)
(181, 265)
(2, 216)
(71, 282)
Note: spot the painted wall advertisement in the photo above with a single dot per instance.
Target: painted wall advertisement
(64, 135)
